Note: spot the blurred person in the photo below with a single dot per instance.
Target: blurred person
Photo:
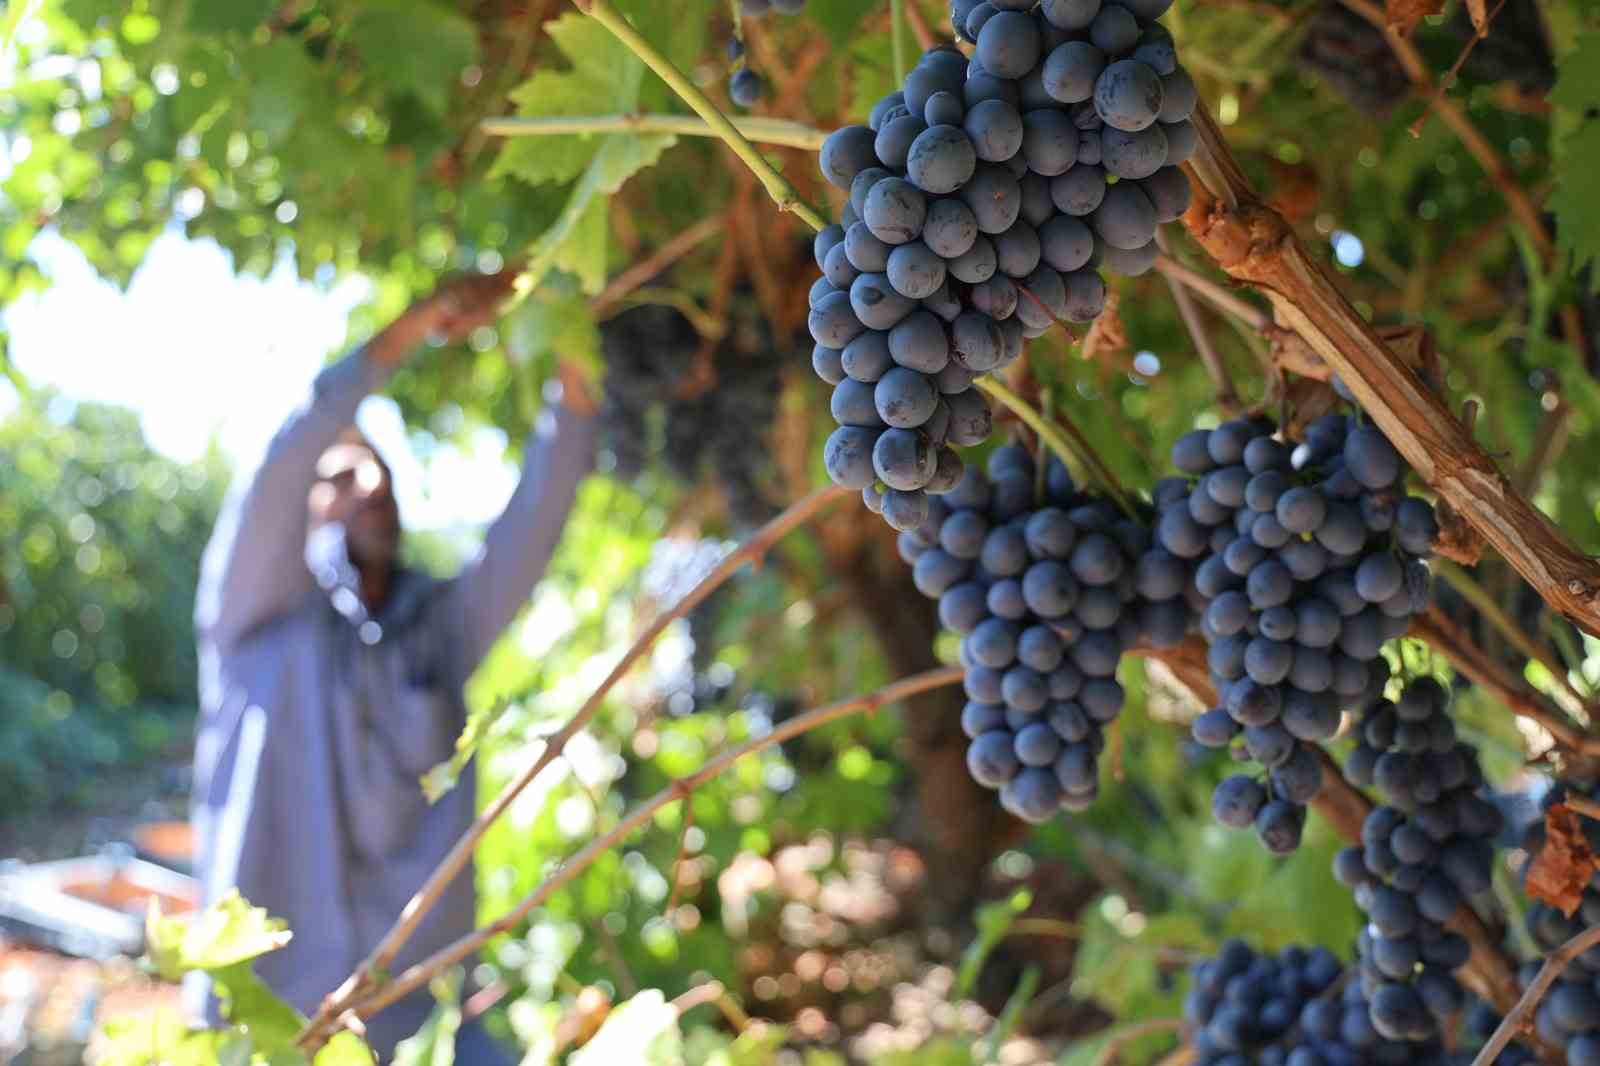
(331, 677)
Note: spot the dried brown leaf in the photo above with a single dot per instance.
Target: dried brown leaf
(1405, 14)
(1561, 871)
(1108, 335)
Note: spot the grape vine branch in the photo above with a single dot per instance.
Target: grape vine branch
(422, 972)
(778, 187)
(325, 1023)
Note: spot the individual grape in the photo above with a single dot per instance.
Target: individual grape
(996, 297)
(1125, 218)
(866, 359)
(1079, 191)
(903, 459)
(941, 159)
(971, 420)
(1114, 30)
(1128, 96)
(833, 322)
(1066, 243)
(893, 143)
(866, 253)
(828, 364)
(904, 398)
(976, 265)
(837, 269)
(848, 456)
(976, 342)
(950, 228)
(944, 108)
(1033, 795)
(905, 511)
(1215, 728)
(1005, 552)
(1134, 155)
(876, 303)
(1049, 141)
(881, 109)
(1415, 528)
(1070, 14)
(994, 127)
(1008, 44)
(1269, 584)
(992, 759)
(994, 643)
(918, 342)
(1159, 54)
(1070, 71)
(1182, 140)
(1237, 801)
(845, 153)
(1178, 95)
(994, 197)
(895, 211)
(1378, 577)
(1279, 825)
(852, 405)
(1049, 589)
(915, 270)
(1017, 250)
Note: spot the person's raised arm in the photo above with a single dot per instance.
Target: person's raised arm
(254, 567)
(494, 586)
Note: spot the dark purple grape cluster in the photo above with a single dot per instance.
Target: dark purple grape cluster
(1426, 851)
(647, 415)
(983, 196)
(1289, 1009)
(1042, 591)
(1569, 1015)
(746, 85)
(1307, 558)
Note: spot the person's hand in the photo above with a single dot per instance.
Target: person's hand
(452, 311)
(577, 392)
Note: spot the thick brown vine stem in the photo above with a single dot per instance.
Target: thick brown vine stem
(1254, 244)
(1520, 1016)
(319, 1029)
(418, 975)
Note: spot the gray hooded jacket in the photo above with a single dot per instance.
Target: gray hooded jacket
(318, 720)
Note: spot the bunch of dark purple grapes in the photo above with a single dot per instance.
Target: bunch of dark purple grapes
(745, 85)
(1290, 1009)
(1308, 558)
(1569, 1015)
(983, 197)
(1427, 850)
(1042, 591)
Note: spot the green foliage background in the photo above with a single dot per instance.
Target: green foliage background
(341, 135)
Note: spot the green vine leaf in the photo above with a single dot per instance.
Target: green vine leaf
(416, 47)
(1577, 94)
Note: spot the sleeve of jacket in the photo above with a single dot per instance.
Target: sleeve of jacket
(254, 565)
(498, 581)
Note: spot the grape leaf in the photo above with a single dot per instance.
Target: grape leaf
(576, 241)
(1577, 151)
(603, 78)
(228, 932)
(415, 46)
(1561, 871)
(282, 81)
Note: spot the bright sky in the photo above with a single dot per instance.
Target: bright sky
(199, 353)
